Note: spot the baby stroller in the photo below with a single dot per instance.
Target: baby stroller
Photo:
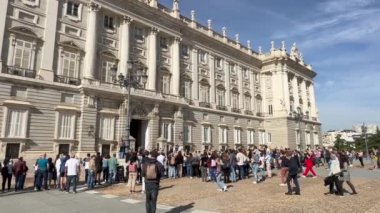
(120, 177)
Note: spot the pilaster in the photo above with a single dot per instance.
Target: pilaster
(313, 112)
(212, 78)
(194, 66)
(90, 48)
(87, 120)
(304, 96)
(295, 92)
(285, 90)
(3, 18)
(125, 45)
(176, 66)
(152, 59)
(46, 69)
(241, 93)
(227, 80)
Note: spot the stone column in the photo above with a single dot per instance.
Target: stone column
(313, 112)
(295, 92)
(227, 80)
(304, 96)
(194, 67)
(212, 78)
(252, 88)
(3, 18)
(124, 45)
(152, 59)
(285, 90)
(90, 48)
(48, 49)
(176, 69)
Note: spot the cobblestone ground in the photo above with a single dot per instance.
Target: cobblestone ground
(244, 196)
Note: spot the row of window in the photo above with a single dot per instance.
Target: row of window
(308, 138)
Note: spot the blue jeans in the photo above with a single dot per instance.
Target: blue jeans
(189, 170)
(105, 174)
(73, 179)
(112, 174)
(151, 194)
(172, 173)
(233, 174)
(213, 173)
(19, 182)
(219, 182)
(255, 169)
(241, 172)
(90, 179)
(42, 179)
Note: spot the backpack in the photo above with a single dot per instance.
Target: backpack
(151, 171)
(132, 167)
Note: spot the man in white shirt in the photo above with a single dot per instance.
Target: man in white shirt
(72, 172)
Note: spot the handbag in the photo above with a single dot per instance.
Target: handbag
(328, 180)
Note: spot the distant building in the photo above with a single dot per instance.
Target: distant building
(348, 135)
(371, 128)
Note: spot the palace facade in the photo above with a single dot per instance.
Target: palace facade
(203, 90)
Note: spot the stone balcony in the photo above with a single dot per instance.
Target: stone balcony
(248, 112)
(19, 71)
(205, 104)
(236, 110)
(67, 80)
(220, 107)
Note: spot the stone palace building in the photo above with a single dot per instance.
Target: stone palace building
(203, 89)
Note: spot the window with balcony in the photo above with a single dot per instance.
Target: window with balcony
(106, 72)
(237, 136)
(206, 134)
(223, 135)
(187, 133)
(107, 127)
(166, 130)
(250, 136)
(66, 125)
(16, 122)
(139, 34)
(73, 10)
(186, 89)
(109, 22)
(220, 97)
(205, 93)
(247, 102)
(22, 57)
(165, 84)
(235, 99)
(68, 67)
(262, 137)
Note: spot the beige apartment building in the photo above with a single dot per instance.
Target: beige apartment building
(203, 90)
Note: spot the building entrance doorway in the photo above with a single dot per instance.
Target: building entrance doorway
(138, 129)
(12, 150)
(64, 149)
(106, 150)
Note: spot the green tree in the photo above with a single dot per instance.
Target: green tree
(341, 144)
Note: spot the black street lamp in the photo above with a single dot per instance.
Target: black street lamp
(298, 116)
(364, 132)
(135, 78)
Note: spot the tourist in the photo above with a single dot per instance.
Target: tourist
(57, 165)
(20, 170)
(179, 163)
(226, 167)
(62, 172)
(99, 164)
(255, 164)
(91, 172)
(172, 166)
(335, 173)
(241, 159)
(218, 173)
(6, 173)
(86, 161)
(105, 169)
(72, 172)
(151, 171)
(284, 163)
(344, 166)
(132, 175)
(204, 160)
(377, 153)
(268, 163)
(233, 164)
(42, 172)
(189, 166)
(195, 163)
(52, 173)
(212, 166)
(309, 164)
(112, 165)
(293, 169)
(360, 156)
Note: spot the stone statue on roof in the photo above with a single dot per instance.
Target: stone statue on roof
(294, 52)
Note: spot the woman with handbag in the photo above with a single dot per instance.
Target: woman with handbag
(335, 172)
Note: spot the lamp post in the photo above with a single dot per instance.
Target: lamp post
(135, 78)
(298, 116)
(364, 132)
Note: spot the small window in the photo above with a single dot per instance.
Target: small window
(67, 98)
(270, 109)
(109, 22)
(72, 9)
(19, 92)
(185, 51)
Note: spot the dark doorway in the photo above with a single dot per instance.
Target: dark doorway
(136, 132)
(64, 149)
(106, 149)
(12, 150)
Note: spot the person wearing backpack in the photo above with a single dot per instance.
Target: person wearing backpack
(132, 168)
(152, 171)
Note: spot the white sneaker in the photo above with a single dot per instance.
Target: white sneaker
(303, 176)
(220, 190)
(314, 176)
(282, 184)
(225, 188)
(254, 182)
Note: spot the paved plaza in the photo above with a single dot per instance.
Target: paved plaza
(191, 195)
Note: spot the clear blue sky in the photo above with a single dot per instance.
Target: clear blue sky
(339, 38)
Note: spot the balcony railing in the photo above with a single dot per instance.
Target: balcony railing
(205, 104)
(67, 80)
(221, 107)
(12, 70)
(248, 112)
(236, 110)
